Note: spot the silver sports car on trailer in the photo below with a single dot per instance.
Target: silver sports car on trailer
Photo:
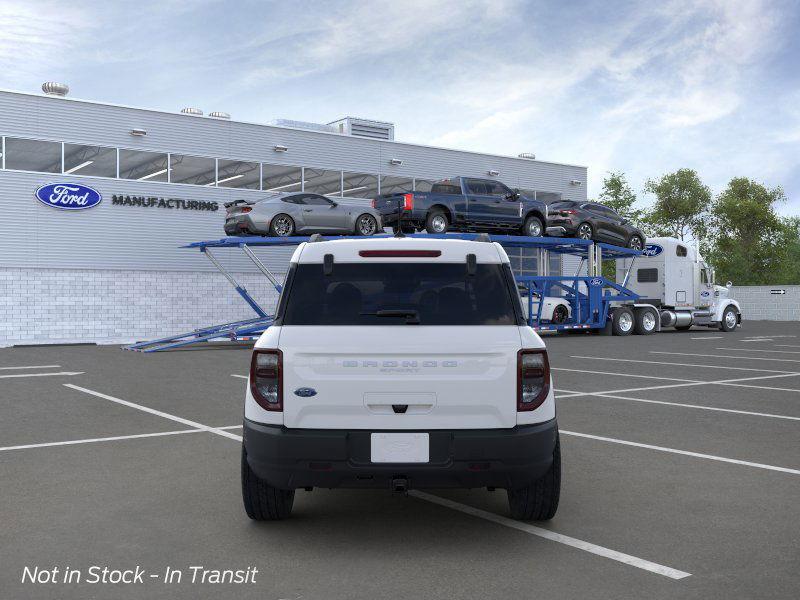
(304, 213)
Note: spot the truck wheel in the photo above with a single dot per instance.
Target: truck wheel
(539, 500)
(729, 320)
(533, 227)
(436, 222)
(645, 322)
(560, 314)
(262, 502)
(622, 322)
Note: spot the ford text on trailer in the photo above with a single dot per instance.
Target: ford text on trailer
(672, 277)
(400, 363)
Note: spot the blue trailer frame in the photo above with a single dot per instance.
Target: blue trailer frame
(590, 306)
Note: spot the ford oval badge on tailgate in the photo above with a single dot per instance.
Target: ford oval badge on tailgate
(68, 196)
(305, 392)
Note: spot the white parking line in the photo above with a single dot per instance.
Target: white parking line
(571, 394)
(627, 559)
(787, 346)
(611, 373)
(64, 373)
(239, 376)
(794, 360)
(111, 439)
(683, 452)
(31, 367)
(708, 337)
(759, 350)
(158, 413)
(655, 362)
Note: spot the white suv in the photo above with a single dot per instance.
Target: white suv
(400, 363)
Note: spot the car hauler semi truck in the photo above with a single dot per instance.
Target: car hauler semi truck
(672, 277)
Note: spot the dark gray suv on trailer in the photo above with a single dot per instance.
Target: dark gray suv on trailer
(593, 221)
(286, 214)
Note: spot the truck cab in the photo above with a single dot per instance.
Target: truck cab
(672, 276)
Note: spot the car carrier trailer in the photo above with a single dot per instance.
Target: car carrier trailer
(592, 301)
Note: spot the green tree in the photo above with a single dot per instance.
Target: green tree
(750, 243)
(618, 195)
(681, 205)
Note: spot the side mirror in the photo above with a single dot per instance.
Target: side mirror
(729, 285)
(334, 204)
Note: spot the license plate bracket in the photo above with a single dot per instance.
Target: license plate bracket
(406, 447)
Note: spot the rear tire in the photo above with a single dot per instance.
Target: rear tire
(263, 502)
(437, 222)
(539, 500)
(622, 322)
(645, 322)
(281, 226)
(636, 243)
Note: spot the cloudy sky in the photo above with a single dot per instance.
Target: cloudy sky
(641, 87)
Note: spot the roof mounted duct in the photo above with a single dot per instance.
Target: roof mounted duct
(376, 130)
(219, 115)
(303, 125)
(51, 88)
(192, 111)
(527, 155)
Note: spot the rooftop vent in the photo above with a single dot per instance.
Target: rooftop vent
(303, 125)
(51, 88)
(192, 111)
(527, 155)
(376, 130)
(219, 115)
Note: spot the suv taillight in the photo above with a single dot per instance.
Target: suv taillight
(533, 379)
(408, 201)
(266, 379)
(373, 203)
(568, 212)
(246, 209)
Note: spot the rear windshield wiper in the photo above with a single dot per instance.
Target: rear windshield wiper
(412, 316)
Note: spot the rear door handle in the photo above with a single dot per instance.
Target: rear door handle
(308, 210)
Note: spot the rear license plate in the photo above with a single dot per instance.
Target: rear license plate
(400, 447)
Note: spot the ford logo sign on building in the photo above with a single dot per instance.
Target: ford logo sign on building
(68, 196)
(652, 250)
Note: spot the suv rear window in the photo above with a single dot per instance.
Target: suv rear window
(431, 293)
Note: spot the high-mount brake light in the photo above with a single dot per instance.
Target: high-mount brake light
(399, 253)
(266, 379)
(408, 201)
(533, 379)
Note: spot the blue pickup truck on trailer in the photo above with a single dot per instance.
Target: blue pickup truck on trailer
(464, 204)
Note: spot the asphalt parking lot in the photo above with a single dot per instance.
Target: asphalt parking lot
(681, 479)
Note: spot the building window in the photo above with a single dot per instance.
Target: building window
(321, 181)
(423, 185)
(396, 185)
(96, 161)
(237, 174)
(144, 166)
(194, 170)
(33, 155)
(280, 178)
(359, 185)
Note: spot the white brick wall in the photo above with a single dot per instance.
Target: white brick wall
(758, 303)
(41, 306)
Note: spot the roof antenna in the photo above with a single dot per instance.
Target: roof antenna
(398, 230)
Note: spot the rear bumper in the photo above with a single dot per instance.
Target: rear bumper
(468, 458)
